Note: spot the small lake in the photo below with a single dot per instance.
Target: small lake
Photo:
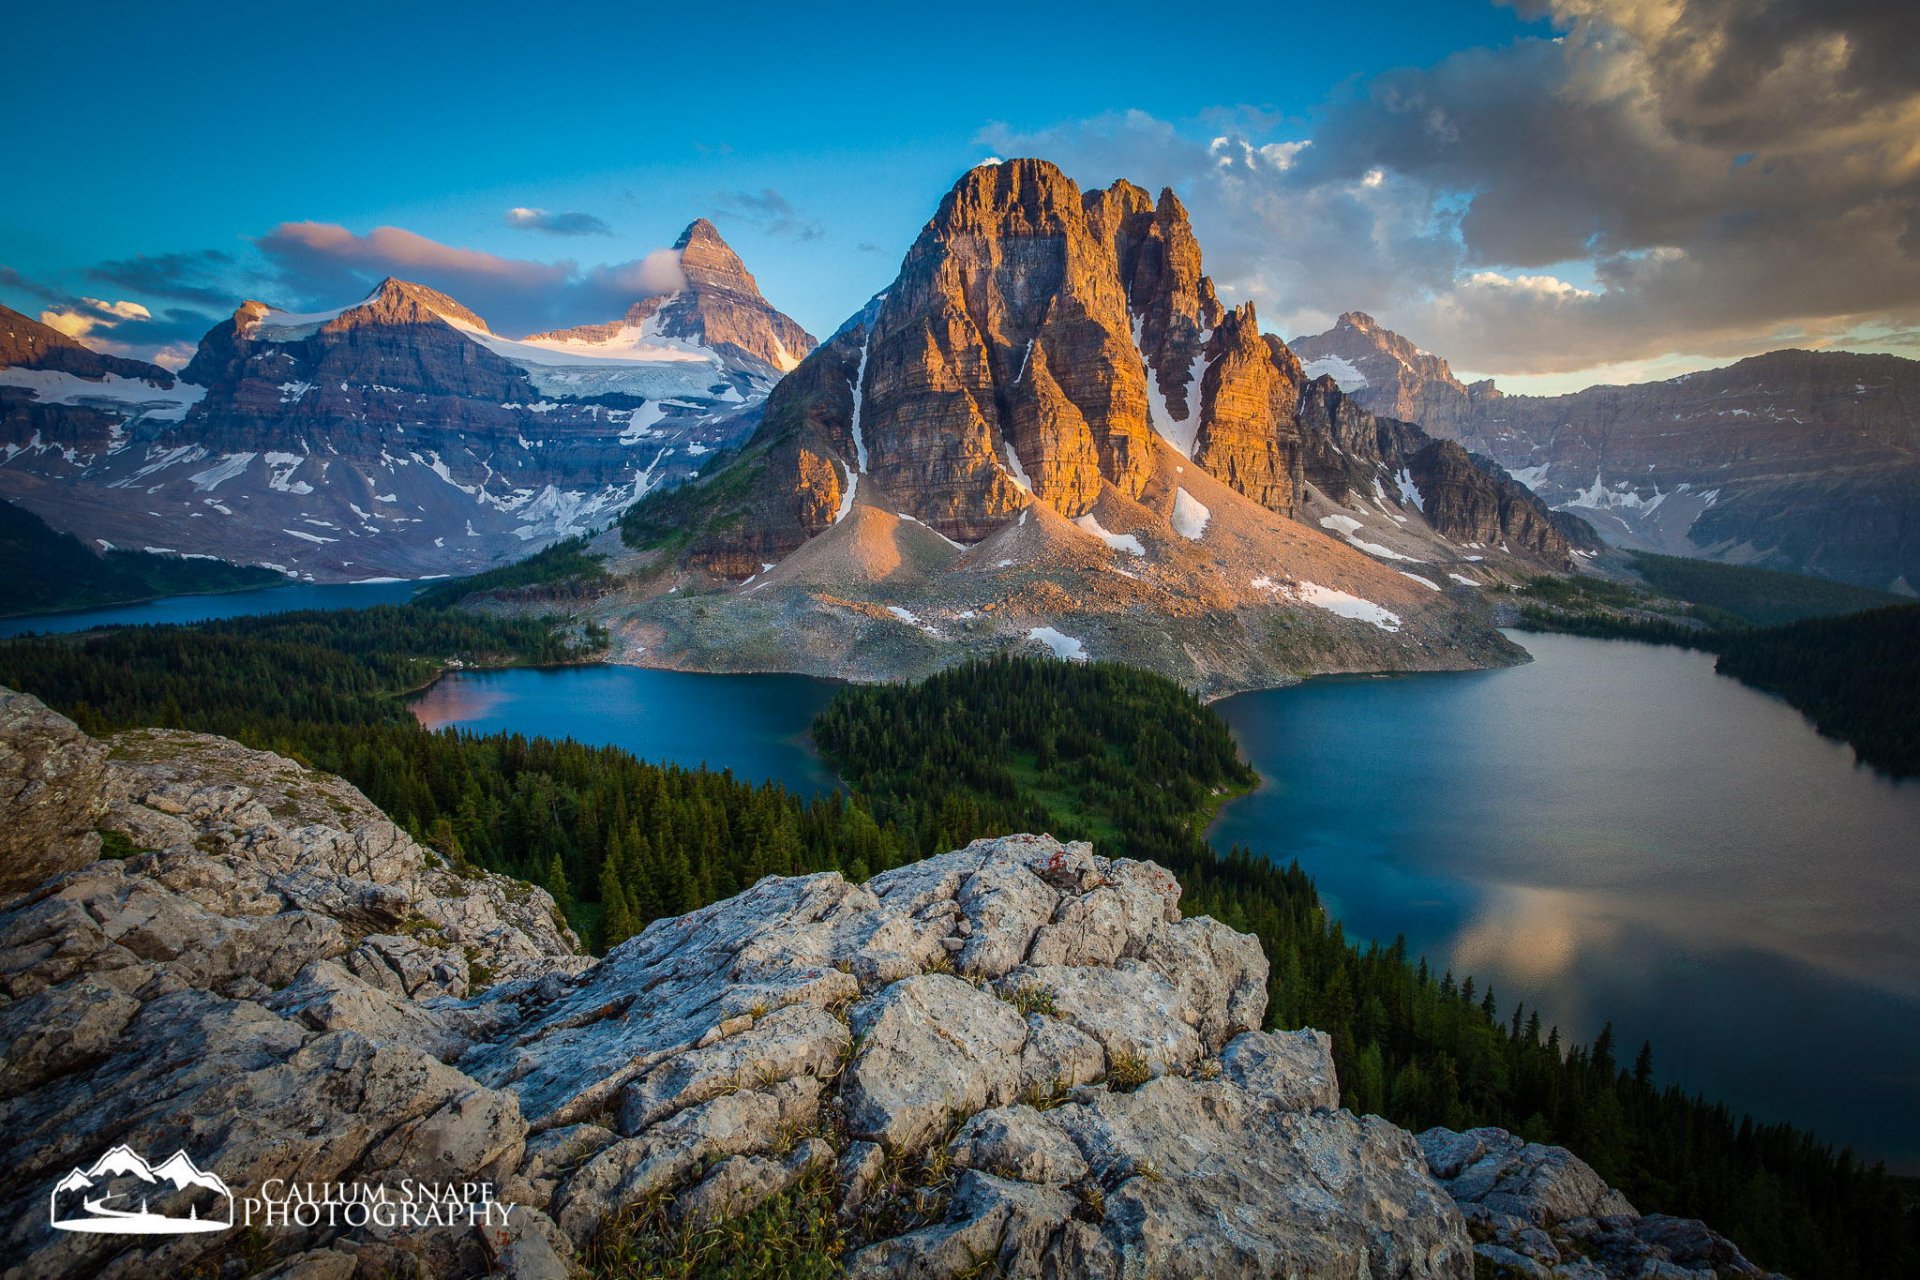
(1610, 832)
(754, 725)
(231, 604)
(1616, 832)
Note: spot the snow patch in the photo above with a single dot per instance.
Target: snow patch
(911, 618)
(846, 499)
(1345, 604)
(213, 477)
(1017, 471)
(1344, 374)
(1425, 582)
(1410, 492)
(1118, 541)
(859, 394)
(1189, 516)
(128, 397)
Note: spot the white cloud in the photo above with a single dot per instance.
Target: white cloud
(91, 314)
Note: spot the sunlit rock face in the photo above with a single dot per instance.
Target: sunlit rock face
(1038, 343)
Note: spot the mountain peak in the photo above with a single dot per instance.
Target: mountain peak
(709, 263)
(397, 301)
(700, 230)
(1010, 198)
(1385, 373)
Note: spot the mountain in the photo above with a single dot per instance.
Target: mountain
(395, 436)
(721, 309)
(1799, 460)
(1389, 375)
(1049, 431)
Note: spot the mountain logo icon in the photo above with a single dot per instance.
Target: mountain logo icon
(124, 1195)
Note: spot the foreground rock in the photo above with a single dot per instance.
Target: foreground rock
(1017, 1055)
(1537, 1212)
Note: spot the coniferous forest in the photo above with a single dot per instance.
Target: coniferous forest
(1112, 754)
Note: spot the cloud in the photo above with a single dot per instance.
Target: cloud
(557, 224)
(84, 315)
(769, 211)
(1710, 176)
(201, 276)
(12, 279)
(316, 264)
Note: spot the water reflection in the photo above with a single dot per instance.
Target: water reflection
(1615, 832)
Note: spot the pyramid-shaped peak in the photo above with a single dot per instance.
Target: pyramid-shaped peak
(1357, 320)
(397, 301)
(709, 262)
(700, 231)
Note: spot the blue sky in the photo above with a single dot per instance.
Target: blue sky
(818, 139)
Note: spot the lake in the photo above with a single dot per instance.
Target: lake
(1616, 832)
(1609, 832)
(230, 604)
(754, 725)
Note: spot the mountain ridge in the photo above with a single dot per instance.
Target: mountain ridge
(397, 435)
(1793, 459)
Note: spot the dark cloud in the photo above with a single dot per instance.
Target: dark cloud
(200, 276)
(11, 279)
(321, 264)
(173, 327)
(557, 224)
(867, 246)
(769, 211)
(1666, 175)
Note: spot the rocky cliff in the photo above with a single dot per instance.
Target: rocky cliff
(1800, 460)
(1466, 497)
(1019, 1055)
(1049, 431)
(397, 436)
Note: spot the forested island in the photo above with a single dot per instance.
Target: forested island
(1094, 751)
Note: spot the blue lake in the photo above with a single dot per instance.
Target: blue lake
(1612, 832)
(1616, 832)
(232, 604)
(753, 725)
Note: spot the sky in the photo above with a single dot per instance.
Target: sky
(1548, 192)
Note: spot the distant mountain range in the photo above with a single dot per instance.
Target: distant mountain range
(397, 436)
(1802, 460)
(1049, 433)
